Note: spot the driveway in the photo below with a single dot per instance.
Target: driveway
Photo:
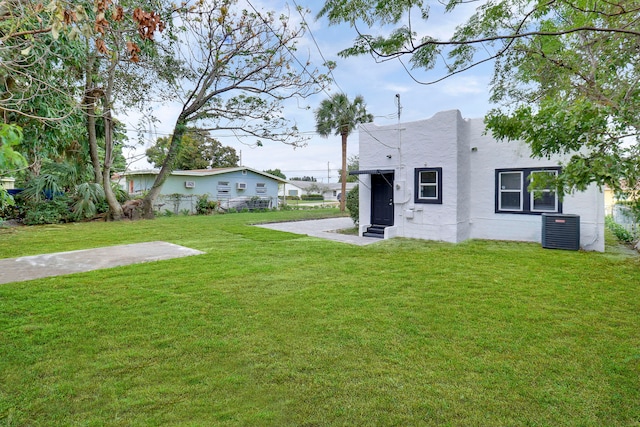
(324, 229)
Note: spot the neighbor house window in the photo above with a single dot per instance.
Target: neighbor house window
(293, 193)
(223, 188)
(514, 196)
(261, 188)
(428, 185)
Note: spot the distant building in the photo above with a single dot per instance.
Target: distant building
(329, 191)
(234, 187)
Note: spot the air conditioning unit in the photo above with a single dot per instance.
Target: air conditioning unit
(190, 184)
(241, 186)
(560, 231)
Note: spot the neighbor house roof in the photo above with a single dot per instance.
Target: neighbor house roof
(304, 185)
(205, 172)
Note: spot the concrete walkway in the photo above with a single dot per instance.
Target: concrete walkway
(324, 229)
(56, 264)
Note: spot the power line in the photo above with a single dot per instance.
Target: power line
(333, 77)
(304, 68)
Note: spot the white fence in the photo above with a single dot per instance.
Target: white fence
(187, 203)
(623, 216)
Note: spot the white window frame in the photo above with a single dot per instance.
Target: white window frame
(419, 185)
(223, 188)
(545, 190)
(502, 190)
(527, 197)
(261, 188)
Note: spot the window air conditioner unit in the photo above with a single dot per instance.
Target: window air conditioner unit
(190, 184)
(241, 186)
(561, 231)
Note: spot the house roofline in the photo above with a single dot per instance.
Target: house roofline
(204, 172)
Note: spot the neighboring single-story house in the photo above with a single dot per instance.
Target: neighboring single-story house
(444, 179)
(7, 183)
(611, 199)
(235, 187)
(329, 191)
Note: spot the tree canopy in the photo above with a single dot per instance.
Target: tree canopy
(65, 66)
(276, 172)
(197, 151)
(565, 79)
(240, 71)
(341, 116)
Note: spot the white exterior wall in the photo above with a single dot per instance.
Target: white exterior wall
(486, 224)
(468, 160)
(432, 143)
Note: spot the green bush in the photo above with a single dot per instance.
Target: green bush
(619, 231)
(204, 206)
(353, 204)
(312, 197)
(53, 211)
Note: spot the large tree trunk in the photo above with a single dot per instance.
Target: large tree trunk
(343, 175)
(166, 169)
(115, 209)
(93, 140)
(91, 93)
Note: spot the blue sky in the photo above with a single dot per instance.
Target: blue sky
(378, 83)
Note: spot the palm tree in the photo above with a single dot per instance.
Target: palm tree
(340, 116)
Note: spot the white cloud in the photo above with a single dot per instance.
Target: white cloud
(377, 83)
(464, 85)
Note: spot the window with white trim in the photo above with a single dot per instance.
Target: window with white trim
(543, 199)
(515, 194)
(261, 188)
(510, 188)
(224, 189)
(428, 185)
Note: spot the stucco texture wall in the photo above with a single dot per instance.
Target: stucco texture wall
(469, 159)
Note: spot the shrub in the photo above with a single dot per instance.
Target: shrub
(6, 202)
(312, 197)
(204, 206)
(618, 230)
(353, 204)
(52, 211)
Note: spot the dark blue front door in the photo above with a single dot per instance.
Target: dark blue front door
(382, 199)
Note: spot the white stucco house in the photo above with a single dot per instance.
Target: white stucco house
(444, 179)
(233, 187)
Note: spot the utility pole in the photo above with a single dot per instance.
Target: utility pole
(328, 173)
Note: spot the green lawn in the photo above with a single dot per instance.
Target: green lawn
(276, 329)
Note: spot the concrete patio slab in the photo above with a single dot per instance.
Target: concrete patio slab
(55, 264)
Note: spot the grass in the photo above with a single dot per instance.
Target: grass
(276, 329)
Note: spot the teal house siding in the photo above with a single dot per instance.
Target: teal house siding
(232, 187)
